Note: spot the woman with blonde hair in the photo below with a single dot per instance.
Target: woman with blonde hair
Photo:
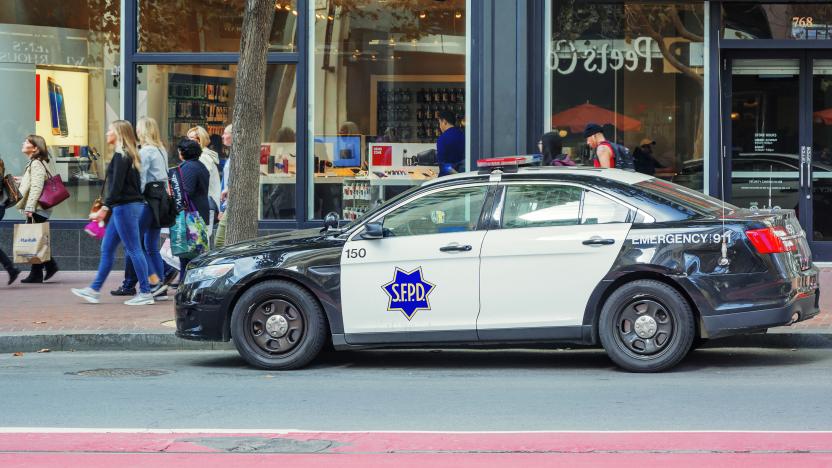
(124, 200)
(31, 187)
(154, 183)
(211, 160)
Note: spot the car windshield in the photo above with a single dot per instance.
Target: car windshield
(689, 198)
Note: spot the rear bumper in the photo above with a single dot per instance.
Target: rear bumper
(806, 307)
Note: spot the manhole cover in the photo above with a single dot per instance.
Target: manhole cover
(117, 372)
(169, 323)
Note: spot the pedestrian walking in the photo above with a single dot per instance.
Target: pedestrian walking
(551, 145)
(4, 201)
(124, 199)
(211, 160)
(194, 185)
(31, 186)
(227, 140)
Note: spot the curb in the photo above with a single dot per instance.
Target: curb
(104, 341)
(29, 343)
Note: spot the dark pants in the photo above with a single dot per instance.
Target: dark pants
(4, 259)
(37, 270)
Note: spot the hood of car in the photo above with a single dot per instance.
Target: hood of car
(305, 239)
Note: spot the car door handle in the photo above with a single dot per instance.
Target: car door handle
(455, 248)
(599, 241)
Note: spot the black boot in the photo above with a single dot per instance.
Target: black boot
(35, 275)
(51, 268)
(13, 274)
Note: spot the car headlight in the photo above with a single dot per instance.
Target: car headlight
(210, 272)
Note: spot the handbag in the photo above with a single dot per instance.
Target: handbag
(189, 236)
(54, 191)
(8, 187)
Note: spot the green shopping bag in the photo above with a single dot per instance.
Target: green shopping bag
(189, 236)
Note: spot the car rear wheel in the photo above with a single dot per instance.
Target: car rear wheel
(646, 326)
(278, 325)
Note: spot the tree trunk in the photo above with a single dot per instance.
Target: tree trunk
(244, 189)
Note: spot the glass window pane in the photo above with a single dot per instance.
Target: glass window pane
(383, 74)
(208, 26)
(636, 69)
(180, 97)
(452, 210)
(602, 210)
(758, 20)
(56, 67)
(541, 205)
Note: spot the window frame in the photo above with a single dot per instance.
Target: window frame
(499, 213)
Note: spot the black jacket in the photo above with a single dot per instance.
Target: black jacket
(123, 182)
(194, 184)
(160, 203)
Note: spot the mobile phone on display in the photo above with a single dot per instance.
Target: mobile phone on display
(53, 106)
(62, 123)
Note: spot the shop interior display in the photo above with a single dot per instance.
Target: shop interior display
(407, 111)
(197, 100)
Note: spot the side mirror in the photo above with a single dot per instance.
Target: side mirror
(373, 231)
(331, 221)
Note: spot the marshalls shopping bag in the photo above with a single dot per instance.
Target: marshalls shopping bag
(31, 243)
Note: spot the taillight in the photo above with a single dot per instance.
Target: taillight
(771, 240)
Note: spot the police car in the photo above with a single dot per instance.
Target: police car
(509, 255)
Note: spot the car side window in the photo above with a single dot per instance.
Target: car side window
(454, 210)
(601, 210)
(541, 206)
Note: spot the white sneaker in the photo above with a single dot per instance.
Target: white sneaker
(140, 299)
(87, 294)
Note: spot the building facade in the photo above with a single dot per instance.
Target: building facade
(731, 98)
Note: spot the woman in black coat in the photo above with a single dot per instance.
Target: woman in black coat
(194, 177)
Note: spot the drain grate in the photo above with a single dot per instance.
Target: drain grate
(120, 372)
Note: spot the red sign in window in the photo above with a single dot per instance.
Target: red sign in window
(382, 156)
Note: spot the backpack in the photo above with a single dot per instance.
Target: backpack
(623, 158)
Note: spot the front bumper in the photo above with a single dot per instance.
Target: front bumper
(200, 314)
(806, 307)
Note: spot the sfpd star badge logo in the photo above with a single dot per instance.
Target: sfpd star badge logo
(408, 292)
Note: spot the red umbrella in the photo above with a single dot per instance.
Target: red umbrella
(824, 116)
(578, 117)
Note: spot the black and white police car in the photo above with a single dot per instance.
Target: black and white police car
(524, 256)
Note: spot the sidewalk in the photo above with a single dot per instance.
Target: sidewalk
(38, 316)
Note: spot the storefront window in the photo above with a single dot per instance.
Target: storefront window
(180, 97)
(636, 69)
(383, 72)
(795, 21)
(208, 25)
(56, 62)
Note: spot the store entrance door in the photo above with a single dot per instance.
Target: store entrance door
(777, 137)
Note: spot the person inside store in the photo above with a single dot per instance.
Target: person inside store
(125, 202)
(31, 186)
(195, 184)
(4, 200)
(211, 160)
(450, 147)
(551, 146)
(603, 155)
(219, 241)
(154, 168)
(643, 157)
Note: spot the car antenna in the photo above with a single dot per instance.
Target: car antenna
(724, 261)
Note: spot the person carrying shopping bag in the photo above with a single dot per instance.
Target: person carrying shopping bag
(125, 202)
(31, 187)
(5, 200)
(189, 184)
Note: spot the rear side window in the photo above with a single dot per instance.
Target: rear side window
(559, 205)
(684, 199)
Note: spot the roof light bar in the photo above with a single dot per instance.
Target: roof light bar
(509, 163)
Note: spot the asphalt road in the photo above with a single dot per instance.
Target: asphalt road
(509, 390)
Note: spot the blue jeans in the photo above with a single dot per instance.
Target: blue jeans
(123, 227)
(150, 237)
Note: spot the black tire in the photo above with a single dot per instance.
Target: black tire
(255, 334)
(663, 334)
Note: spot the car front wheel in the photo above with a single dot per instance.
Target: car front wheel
(278, 325)
(646, 326)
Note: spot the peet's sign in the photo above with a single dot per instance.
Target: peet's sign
(566, 57)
